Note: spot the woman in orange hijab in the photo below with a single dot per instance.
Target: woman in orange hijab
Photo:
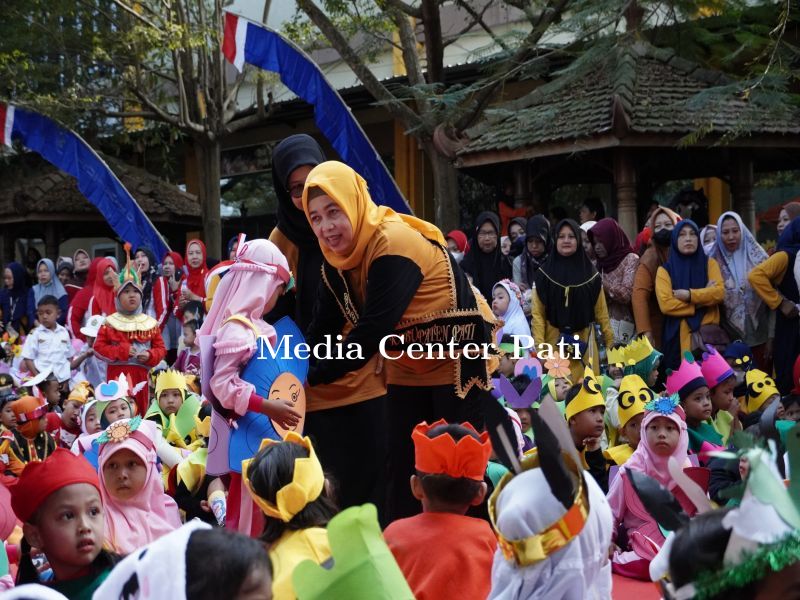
(387, 276)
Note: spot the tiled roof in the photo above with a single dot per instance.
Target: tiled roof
(52, 191)
(638, 89)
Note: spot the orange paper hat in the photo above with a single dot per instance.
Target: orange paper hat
(442, 455)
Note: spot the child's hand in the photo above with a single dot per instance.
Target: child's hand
(591, 444)
(132, 352)
(734, 407)
(282, 412)
(143, 357)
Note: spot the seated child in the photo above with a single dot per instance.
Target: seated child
(217, 563)
(643, 360)
(631, 400)
(507, 306)
(137, 511)
(174, 410)
(791, 407)
(554, 530)
(663, 436)
(286, 481)
(8, 421)
(189, 358)
(584, 413)
(690, 385)
(442, 552)
(62, 485)
(721, 381)
(761, 393)
(31, 442)
(66, 427)
(49, 389)
(90, 428)
(555, 388)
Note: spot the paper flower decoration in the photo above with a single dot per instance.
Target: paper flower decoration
(557, 367)
(664, 405)
(119, 431)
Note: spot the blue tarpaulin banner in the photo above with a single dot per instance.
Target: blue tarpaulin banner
(266, 49)
(66, 150)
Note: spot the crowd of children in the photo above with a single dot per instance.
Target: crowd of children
(129, 479)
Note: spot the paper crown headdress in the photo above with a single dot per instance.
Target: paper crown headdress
(633, 395)
(686, 376)
(442, 455)
(29, 408)
(590, 395)
(715, 368)
(307, 483)
(81, 392)
(363, 565)
(112, 389)
(638, 350)
(171, 380)
(128, 275)
(616, 356)
(760, 387)
(516, 400)
(666, 405)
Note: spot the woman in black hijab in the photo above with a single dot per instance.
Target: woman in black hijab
(569, 298)
(485, 263)
(538, 245)
(345, 418)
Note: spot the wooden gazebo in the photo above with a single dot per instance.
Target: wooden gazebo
(629, 123)
(47, 204)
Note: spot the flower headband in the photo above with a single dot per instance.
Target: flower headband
(306, 486)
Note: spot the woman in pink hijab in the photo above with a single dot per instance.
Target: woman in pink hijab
(663, 436)
(137, 511)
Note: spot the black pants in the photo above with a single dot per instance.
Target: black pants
(786, 347)
(350, 442)
(407, 407)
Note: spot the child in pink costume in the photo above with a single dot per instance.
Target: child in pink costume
(644, 536)
(250, 289)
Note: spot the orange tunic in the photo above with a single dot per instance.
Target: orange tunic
(444, 555)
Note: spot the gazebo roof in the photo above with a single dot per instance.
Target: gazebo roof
(52, 194)
(639, 96)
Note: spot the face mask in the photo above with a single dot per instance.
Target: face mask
(458, 256)
(663, 237)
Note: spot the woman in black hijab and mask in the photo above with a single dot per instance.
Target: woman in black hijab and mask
(347, 417)
(485, 263)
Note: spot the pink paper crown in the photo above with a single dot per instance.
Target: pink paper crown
(715, 368)
(686, 373)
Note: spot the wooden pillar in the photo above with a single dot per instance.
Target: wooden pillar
(522, 184)
(50, 241)
(625, 185)
(742, 187)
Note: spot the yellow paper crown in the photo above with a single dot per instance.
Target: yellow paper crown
(170, 380)
(638, 350)
(633, 395)
(81, 392)
(306, 486)
(760, 387)
(591, 395)
(616, 356)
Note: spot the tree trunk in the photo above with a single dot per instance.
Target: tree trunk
(208, 157)
(445, 189)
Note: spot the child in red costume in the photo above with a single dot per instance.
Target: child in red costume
(129, 340)
(442, 552)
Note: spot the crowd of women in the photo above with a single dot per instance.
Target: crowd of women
(504, 475)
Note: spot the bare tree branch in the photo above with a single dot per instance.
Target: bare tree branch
(478, 18)
(136, 15)
(397, 108)
(411, 11)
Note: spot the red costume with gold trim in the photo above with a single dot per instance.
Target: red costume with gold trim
(121, 332)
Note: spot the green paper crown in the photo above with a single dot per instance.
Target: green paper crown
(363, 566)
